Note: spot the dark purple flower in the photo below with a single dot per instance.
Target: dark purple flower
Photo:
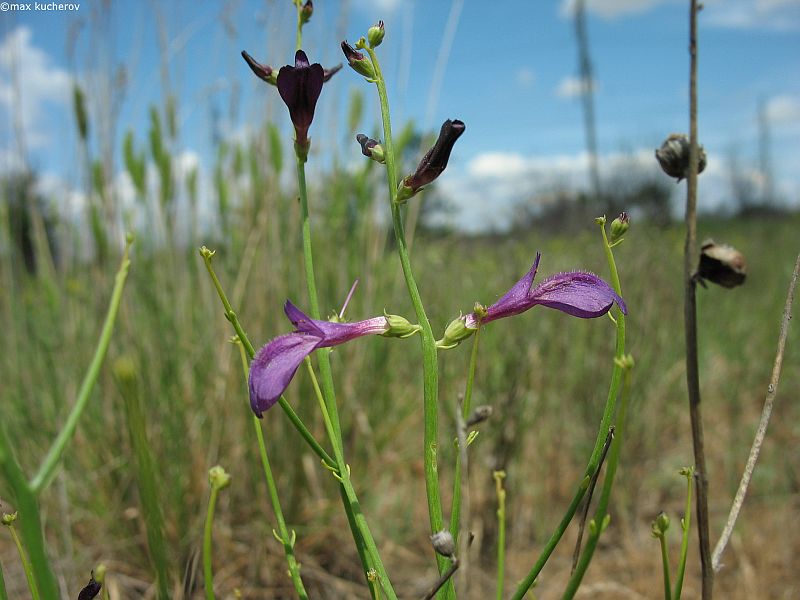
(328, 73)
(358, 61)
(371, 148)
(263, 72)
(300, 87)
(576, 293)
(434, 162)
(90, 590)
(276, 363)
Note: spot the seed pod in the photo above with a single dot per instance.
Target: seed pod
(722, 264)
(673, 156)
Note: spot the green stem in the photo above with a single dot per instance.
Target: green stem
(455, 513)
(27, 505)
(3, 592)
(501, 531)
(357, 522)
(373, 558)
(601, 516)
(299, 35)
(208, 574)
(26, 565)
(51, 461)
(430, 368)
(686, 527)
(605, 423)
(286, 539)
(665, 565)
(295, 420)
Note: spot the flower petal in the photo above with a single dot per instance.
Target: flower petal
(333, 334)
(576, 293)
(274, 366)
(515, 300)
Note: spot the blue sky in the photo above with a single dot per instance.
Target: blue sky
(507, 69)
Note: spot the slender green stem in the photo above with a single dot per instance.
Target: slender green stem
(455, 512)
(286, 538)
(51, 461)
(362, 528)
(601, 516)
(26, 565)
(605, 423)
(3, 592)
(356, 521)
(299, 35)
(295, 420)
(662, 539)
(686, 527)
(501, 531)
(208, 573)
(27, 505)
(430, 367)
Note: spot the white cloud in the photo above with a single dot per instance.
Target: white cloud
(574, 87)
(783, 109)
(526, 77)
(29, 81)
(610, 9)
(780, 15)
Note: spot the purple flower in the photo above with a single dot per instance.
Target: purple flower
(276, 363)
(300, 87)
(263, 72)
(435, 161)
(576, 293)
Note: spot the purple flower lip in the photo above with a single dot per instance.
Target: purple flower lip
(435, 161)
(300, 87)
(576, 293)
(263, 72)
(275, 364)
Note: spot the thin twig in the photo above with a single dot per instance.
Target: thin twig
(577, 552)
(772, 391)
(442, 580)
(690, 318)
(463, 535)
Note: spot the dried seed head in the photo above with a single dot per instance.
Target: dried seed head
(479, 415)
(673, 156)
(722, 264)
(442, 541)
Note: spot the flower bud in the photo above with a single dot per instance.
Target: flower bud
(399, 327)
(673, 156)
(218, 478)
(306, 11)
(8, 518)
(375, 35)
(660, 525)
(455, 333)
(721, 264)
(263, 72)
(359, 63)
(443, 542)
(371, 148)
(91, 589)
(619, 226)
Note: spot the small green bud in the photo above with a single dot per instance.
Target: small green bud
(375, 35)
(218, 478)
(600, 220)
(100, 572)
(372, 575)
(660, 525)
(206, 253)
(125, 370)
(9, 518)
(399, 327)
(455, 333)
(480, 310)
(619, 226)
(405, 192)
